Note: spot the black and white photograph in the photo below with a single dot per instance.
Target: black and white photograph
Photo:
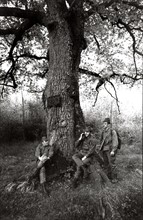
(71, 100)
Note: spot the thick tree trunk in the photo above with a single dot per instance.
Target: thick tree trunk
(62, 91)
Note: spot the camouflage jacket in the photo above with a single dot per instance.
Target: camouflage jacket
(84, 146)
(109, 140)
(44, 150)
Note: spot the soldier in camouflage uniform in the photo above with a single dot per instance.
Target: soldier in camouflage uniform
(44, 152)
(108, 146)
(82, 158)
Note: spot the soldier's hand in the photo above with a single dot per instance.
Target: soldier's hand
(84, 158)
(112, 153)
(44, 157)
(39, 158)
(97, 147)
(81, 136)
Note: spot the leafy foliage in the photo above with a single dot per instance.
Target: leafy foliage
(113, 30)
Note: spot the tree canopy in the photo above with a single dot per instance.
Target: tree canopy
(113, 34)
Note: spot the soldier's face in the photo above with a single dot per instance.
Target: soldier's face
(87, 133)
(105, 125)
(44, 143)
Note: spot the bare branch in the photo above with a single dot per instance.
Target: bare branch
(132, 36)
(7, 31)
(125, 76)
(10, 73)
(97, 93)
(134, 58)
(32, 15)
(19, 13)
(113, 75)
(2, 84)
(100, 83)
(32, 56)
(95, 38)
(19, 34)
(87, 72)
(116, 97)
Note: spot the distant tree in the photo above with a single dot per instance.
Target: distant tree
(22, 121)
(45, 38)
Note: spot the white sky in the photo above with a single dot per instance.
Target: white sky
(130, 101)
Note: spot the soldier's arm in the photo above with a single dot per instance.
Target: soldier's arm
(78, 143)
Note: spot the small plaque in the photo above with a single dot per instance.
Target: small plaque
(54, 101)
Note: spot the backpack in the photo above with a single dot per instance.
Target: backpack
(119, 139)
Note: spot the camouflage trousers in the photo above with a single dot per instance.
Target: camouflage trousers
(108, 163)
(81, 165)
(41, 171)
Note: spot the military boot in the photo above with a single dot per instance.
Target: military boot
(86, 173)
(75, 183)
(44, 189)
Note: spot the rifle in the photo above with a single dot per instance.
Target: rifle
(101, 146)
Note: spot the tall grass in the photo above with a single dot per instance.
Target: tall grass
(123, 198)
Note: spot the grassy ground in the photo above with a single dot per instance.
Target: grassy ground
(65, 203)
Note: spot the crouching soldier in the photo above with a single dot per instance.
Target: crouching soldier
(43, 153)
(82, 157)
(108, 147)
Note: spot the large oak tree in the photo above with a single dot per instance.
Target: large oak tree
(46, 38)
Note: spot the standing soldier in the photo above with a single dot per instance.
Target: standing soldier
(108, 146)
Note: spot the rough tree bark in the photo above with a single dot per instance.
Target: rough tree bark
(65, 38)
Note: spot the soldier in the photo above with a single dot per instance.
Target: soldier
(82, 157)
(108, 146)
(44, 152)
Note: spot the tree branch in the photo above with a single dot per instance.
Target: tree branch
(113, 75)
(2, 84)
(87, 72)
(32, 56)
(97, 43)
(97, 93)
(116, 97)
(19, 34)
(7, 31)
(19, 13)
(32, 15)
(10, 73)
(132, 36)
